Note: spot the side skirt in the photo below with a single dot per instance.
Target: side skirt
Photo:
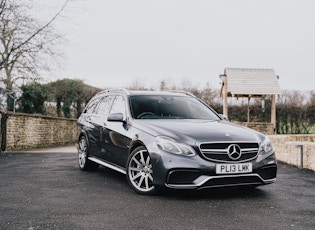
(98, 161)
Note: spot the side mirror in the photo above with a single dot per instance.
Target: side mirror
(117, 117)
(223, 117)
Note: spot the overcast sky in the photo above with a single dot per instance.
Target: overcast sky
(112, 43)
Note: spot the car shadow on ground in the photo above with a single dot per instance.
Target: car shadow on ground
(216, 193)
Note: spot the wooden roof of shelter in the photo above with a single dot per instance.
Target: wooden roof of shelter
(244, 82)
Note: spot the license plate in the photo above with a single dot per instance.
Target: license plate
(234, 168)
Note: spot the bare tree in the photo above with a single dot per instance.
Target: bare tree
(25, 44)
(138, 84)
(2, 4)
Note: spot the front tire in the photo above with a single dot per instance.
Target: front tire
(84, 163)
(140, 172)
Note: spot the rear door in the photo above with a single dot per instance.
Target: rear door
(98, 122)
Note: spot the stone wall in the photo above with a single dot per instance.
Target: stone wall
(289, 148)
(25, 131)
(263, 127)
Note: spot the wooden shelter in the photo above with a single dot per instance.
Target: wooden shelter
(250, 83)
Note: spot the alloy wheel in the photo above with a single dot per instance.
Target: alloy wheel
(140, 173)
(82, 148)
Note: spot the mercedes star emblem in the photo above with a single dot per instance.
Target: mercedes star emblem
(234, 152)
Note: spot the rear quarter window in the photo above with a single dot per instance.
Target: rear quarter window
(90, 107)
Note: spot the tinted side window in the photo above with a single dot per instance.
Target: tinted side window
(119, 105)
(91, 105)
(104, 106)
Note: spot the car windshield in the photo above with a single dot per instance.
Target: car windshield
(169, 107)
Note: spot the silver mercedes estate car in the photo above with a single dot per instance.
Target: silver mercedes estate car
(163, 139)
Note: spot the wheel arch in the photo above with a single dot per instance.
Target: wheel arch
(83, 134)
(135, 145)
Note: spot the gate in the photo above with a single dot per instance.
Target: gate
(3, 133)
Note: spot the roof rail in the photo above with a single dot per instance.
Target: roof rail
(182, 91)
(113, 90)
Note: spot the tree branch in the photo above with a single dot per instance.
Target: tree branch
(26, 41)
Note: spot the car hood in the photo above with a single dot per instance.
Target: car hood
(197, 131)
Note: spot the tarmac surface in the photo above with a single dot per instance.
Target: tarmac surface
(45, 189)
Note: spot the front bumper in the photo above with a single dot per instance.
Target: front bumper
(180, 172)
(203, 181)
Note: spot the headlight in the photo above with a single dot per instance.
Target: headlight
(265, 146)
(169, 145)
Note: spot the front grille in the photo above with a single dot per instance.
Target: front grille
(219, 151)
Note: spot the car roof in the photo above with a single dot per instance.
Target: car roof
(146, 92)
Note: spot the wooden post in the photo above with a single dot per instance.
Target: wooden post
(273, 112)
(224, 95)
(248, 109)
